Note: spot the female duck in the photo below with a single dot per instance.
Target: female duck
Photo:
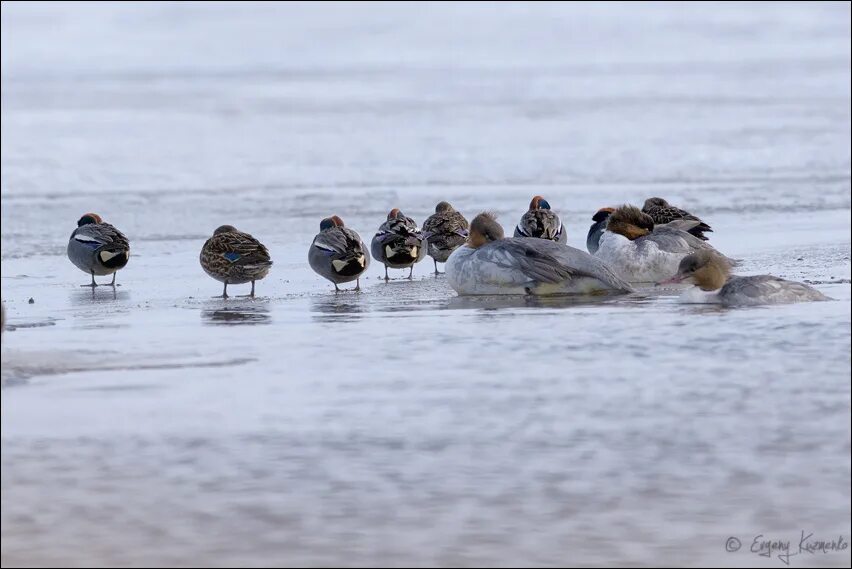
(338, 254)
(234, 257)
(541, 222)
(445, 231)
(398, 243)
(98, 248)
(711, 274)
(640, 252)
(661, 212)
(490, 264)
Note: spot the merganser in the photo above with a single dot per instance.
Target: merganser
(711, 274)
(488, 263)
(639, 251)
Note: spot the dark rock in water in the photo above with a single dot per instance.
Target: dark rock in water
(31, 301)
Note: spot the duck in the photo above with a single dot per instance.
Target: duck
(338, 253)
(488, 264)
(399, 244)
(541, 222)
(638, 250)
(98, 248)
(711, 274)
(597, 228)
(234, 257)
(445, 231)
(662, 212)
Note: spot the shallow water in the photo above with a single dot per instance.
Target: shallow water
(403, 424)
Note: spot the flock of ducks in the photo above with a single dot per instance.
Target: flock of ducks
(626, 245)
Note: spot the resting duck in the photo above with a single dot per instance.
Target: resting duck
(540, 221)
(596, 230)
(398, 243)
(445, 231)
(490, 264)
(639, 251)
(661, 212)
(711, 274)
(234, 257)
(338, 253)
(98, 248)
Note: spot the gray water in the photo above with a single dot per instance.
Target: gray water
(405, 425)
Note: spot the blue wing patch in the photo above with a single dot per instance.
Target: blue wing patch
(231, 256)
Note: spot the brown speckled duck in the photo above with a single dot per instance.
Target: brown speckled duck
(234, 257)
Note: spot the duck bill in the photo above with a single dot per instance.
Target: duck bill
(678, 278)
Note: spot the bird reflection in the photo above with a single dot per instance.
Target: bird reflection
(526, 301)
(98, 294)
(338, 307)
(237, 316)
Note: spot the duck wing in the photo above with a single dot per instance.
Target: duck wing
(101, 235)
(542, 223)
(546, 261)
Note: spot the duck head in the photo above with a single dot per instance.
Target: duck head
(224, 229)
(705, 269)
(443, 207)
(655, 202)
(330, 222)
(629, 221)
(89, 218)
(539, 202)
(602, 214)
(395, 213)
(484, 229)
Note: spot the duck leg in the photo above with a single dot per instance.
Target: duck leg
(411, 273)
(224, 292)
(358, 284)
(249, 295)
(112, 284)
(386, 275)
(94, 284)
(336, 288)
(436, 267)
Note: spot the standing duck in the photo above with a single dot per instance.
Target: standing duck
(338, 254)
(711, 274)
(445, 231)
(661, 212)
(490, 264)
(234, 257)
(398, 243)
(98, 248)
(540, 221)
(600, 219)
(639, 251)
